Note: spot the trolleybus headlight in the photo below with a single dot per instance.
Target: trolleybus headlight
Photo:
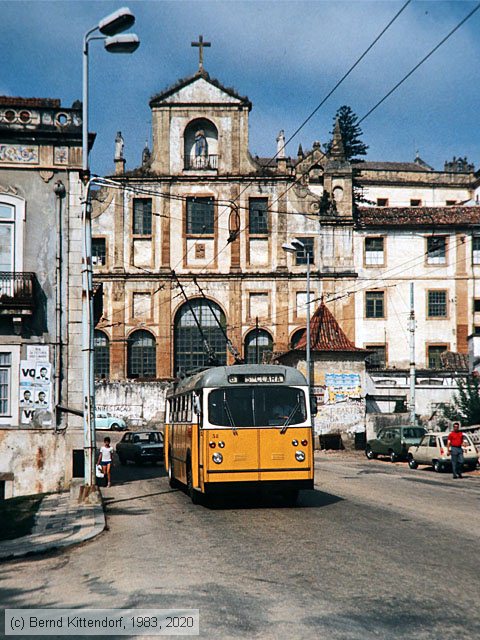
(299, 456)
(221, 444)
(304, 442)
(217, 458)
(295, 443)
(212, 444)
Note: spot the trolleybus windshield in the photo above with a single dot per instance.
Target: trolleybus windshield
(256, 406)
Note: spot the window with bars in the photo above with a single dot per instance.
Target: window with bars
(258, 344)
(189, 346)
(437, 304)
(375, 304)
(141, 355)
(476, 249)
(377, 358)
(374, 251)
(101, 346)
(99, 252)
(258, 216)
(436, 250)
(200, 216)
(142, 216)
(434, 355)
(307, 253)
(5, 382)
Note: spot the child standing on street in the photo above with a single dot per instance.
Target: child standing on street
(105, 459)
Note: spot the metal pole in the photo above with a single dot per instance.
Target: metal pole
(309, 377)
(412, 356)
(87, 298)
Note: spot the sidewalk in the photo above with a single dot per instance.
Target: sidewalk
(61, 521)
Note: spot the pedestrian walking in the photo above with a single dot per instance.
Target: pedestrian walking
(454, 446)
(105, 459)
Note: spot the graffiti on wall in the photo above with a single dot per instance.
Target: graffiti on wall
(347, 416)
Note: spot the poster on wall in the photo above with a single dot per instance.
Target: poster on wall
(38, 353)
(35, 390)
(340, 387)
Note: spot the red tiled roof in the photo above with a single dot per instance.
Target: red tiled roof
(391, 166)
(423, 216)
(325, 333)
(9, 101)
(454, 361)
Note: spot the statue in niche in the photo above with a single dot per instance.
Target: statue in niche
(119, 146)
(201, 148)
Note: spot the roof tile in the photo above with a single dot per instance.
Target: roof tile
(326, 334)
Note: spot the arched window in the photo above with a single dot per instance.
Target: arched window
(200, 145)
(296, 338)
(101, 346)
(189, 350)
(141, 355)
(258, 344)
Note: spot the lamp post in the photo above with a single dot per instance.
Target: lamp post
(295, 246)
(108, 27)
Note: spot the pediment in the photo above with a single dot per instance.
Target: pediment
(202, 91)
(199, 89)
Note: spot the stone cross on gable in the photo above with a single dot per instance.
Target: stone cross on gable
(200, 44)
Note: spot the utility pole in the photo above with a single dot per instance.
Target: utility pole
(411, 328)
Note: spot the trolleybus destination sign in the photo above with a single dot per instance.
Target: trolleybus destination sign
(256, 378)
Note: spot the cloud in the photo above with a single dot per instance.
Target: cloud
(286, 56)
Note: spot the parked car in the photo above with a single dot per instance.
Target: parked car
(141, 446)
(432, 450)
(105, 420)
(394, 442)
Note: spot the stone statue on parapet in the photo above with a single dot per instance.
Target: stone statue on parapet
(119, 146)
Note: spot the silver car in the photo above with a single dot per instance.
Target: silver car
(433, 451)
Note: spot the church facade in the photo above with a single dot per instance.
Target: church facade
(194, 237)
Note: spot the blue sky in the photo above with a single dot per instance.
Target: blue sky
(285, 56)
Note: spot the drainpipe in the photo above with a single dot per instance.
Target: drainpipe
(60, 193)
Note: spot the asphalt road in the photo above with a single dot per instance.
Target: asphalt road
(377, 551)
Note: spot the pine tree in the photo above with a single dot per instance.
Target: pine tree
(351, 133)
(466, 403)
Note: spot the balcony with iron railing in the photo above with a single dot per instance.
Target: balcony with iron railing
(17, 293)
(201, 163)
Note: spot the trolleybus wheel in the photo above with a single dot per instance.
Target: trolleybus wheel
(171, 478)
(194, 496)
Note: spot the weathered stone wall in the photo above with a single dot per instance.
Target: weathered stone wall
(38, 460)
(134, 401)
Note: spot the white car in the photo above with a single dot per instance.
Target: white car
(433, 451)
(105, 421)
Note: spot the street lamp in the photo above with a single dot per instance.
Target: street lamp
(109, 28)
(296, 246)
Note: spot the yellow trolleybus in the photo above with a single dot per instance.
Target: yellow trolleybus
(240, 426)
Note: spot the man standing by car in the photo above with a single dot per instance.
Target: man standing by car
(454, 446)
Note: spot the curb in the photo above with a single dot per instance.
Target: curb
(76, 533)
